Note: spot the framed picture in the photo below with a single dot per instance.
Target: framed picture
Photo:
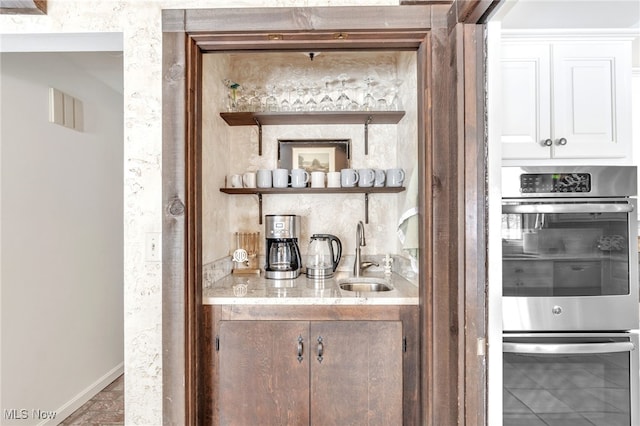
(314, 155)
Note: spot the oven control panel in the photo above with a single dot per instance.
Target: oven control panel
(546, 183)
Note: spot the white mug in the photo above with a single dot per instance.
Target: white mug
(280, 178)
(333, 180)
(348, 177)
(380, 177)
(317, 179)
(395, 177)
(366, 177)
(234, 181)
(299, 178)
(263, 178)
(249, 179)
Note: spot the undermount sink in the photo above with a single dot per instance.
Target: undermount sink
(364, 285)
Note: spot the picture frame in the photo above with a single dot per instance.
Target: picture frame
(325, 155)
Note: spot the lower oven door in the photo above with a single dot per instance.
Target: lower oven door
(571, 379)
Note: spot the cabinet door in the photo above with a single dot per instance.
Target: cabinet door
(359, 380)
(525, 98)
(261, 379)
(591, 100)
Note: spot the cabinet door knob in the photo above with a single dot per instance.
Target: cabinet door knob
(562, 141)
(547, 142)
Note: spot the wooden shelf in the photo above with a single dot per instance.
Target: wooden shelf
(355, 190)
(312, 117)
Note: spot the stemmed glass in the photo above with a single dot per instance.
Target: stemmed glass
(381, 102)
(255, 102)
(242, 101)
(396, 103)
(326, 103)
(311, 104)
(298, 104)
(353, 105)
(232, 94)
(343, 101)
(285, 105)
(271, 102)
(368, 102)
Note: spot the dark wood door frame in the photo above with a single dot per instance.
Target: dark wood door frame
(451, 149)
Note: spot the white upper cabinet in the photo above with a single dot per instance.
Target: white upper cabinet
(526, 101)
(566, 100)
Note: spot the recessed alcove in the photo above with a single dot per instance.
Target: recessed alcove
(450, 149)
(288, 77)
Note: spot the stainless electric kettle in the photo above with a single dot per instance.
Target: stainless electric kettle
(322, 259)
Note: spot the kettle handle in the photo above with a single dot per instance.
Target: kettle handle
(338, 254)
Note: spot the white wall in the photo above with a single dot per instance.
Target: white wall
(61, 295)
(635, 122)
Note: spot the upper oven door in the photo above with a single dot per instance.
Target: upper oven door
(569, 264)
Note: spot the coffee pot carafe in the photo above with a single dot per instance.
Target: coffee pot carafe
(322, 259)
(282, 253)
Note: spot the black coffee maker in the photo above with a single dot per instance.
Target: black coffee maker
(283, 259)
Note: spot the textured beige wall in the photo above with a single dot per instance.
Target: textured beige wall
(389, 146)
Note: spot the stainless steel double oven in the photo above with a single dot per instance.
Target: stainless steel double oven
(570, 295)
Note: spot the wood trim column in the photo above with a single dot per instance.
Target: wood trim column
(425, 200)
(181, 229)
(454, 307)
(442, 398)
(174, 223)
(473, 193)
(193, 295)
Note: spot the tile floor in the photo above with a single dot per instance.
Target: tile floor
(104, 409)
(565, 390)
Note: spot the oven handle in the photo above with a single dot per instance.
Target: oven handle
(567, 348)
(568, 208)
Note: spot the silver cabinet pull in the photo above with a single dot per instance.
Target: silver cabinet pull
(320, 349)
(562, 141)
(300, 348)
(547, 142)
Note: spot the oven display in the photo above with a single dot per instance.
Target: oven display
(536, 183)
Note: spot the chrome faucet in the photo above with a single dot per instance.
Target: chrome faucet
(358, 266)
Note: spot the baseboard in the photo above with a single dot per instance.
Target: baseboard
(85, 395)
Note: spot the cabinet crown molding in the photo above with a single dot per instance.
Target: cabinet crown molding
(611, 34)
